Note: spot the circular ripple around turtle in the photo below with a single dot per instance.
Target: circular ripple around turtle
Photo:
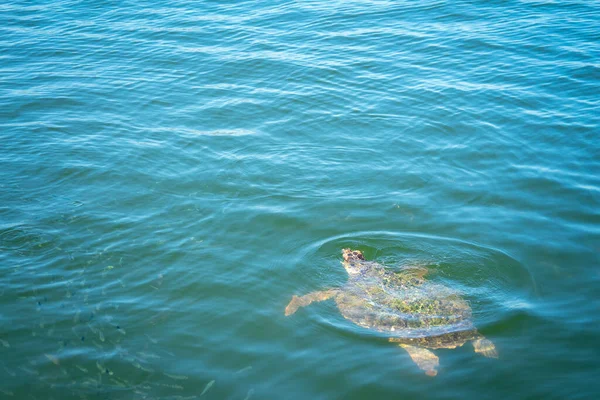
(495, 284)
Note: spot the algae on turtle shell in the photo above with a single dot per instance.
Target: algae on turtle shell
(415, 313)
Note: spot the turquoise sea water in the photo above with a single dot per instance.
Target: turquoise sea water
(171, 173)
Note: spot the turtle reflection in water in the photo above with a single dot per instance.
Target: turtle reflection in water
(416, 313)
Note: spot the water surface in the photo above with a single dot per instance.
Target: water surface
(171, 174)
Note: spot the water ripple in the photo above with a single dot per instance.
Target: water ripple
(171, 174)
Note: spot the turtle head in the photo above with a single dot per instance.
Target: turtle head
(353, 261)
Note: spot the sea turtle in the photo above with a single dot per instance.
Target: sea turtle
(416, 314)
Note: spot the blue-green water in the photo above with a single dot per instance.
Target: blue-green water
(171, 173)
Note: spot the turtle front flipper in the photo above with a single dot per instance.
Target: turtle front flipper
(413, 274)
(305, 300)
(485, 347)
(424, 358)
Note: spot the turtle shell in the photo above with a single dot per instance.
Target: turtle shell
(411, 310)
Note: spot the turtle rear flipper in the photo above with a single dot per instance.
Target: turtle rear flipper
(424, 358)
(485, 347)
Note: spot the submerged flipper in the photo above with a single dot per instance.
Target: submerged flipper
(416, 272)
(305, 300)
(485, 347)
(412, 275)
(424, 358)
